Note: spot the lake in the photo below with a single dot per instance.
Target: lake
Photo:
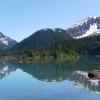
(52, 81)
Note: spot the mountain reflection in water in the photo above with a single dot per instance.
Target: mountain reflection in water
(56, 72)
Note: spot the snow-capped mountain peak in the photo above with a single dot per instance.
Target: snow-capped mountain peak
(80, 22)
(6, 42)
(58, 30)
(85, 20)
(87, 27)
(94, 17)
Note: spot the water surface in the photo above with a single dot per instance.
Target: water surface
(52, 81)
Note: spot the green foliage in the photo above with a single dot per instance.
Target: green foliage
(38, 56)
(62, 49)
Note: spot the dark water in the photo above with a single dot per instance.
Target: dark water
(53, 81)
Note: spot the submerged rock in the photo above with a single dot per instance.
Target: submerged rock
(94, 74)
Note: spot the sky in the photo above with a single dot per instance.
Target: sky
(21, 18)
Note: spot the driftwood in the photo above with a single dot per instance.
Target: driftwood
(94, 74)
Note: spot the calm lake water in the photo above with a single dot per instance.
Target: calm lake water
(53, 81)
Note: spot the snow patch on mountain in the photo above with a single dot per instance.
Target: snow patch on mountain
(93, 30)
(4, 40)
(52, 29)
(80, 22)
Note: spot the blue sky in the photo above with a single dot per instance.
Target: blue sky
(21, 18)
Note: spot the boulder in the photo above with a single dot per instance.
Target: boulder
(94, 74)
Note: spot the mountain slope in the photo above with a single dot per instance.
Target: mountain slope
(43, 39)
(84, 28)
(6, 42)
(88, 45)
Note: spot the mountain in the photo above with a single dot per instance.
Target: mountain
(6, 42)
(85, 28)
(83, 37)
(44, 39)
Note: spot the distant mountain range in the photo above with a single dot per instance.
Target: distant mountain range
(84, 36)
